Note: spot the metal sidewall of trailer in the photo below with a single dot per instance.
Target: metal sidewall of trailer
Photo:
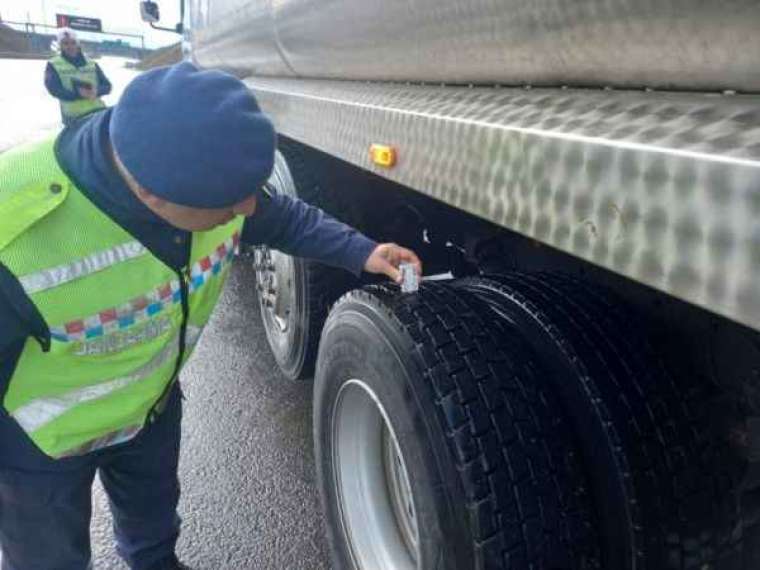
(667, 44)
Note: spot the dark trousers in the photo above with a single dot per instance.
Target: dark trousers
(45, 505)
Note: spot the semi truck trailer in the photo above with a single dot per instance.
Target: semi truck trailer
(576, 383)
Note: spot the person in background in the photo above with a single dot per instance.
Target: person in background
(74, 79)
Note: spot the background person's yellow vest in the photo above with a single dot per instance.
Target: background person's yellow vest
(68, 73)
(121, 322)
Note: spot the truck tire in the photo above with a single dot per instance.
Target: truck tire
(295, 294)
(660, 481)
(436, 446)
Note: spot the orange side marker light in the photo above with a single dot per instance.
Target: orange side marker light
(382, 155)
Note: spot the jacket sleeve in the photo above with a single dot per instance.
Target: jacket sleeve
(15, 324)
(11, 327)
(19, 318)
(104, 86)
(55, 87)
(297, 228)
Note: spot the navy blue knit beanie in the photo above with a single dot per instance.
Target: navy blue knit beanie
(193, 137)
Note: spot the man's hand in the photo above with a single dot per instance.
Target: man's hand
(87, 93)
(387, 257)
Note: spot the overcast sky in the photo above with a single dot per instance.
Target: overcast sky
(116, 15)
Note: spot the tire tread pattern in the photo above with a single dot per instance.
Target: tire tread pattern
(679, 508)
(526, 495)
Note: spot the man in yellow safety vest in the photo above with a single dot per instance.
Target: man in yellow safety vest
(74, 79)
(115, 241)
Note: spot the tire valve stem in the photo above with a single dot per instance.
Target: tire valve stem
(410, 283)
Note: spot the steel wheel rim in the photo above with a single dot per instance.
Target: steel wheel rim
(276, 274)
(372, 483)
(401, 492)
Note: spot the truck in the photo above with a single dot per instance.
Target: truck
(576, 382)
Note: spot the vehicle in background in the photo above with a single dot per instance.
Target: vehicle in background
(576, 384)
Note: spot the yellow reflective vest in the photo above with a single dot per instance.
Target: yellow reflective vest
(121, 322)
(68, 74)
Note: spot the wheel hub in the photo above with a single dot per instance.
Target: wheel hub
(274, 282)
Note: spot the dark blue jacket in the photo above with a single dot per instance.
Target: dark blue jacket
(56, 88)
(83, 151)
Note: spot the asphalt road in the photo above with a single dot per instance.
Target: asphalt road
(247, 468)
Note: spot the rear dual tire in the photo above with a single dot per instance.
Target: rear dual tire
(536, 429)
(664, 485)
(493, 477)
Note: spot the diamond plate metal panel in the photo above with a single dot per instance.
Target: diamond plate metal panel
(668, 44)
(662, 188)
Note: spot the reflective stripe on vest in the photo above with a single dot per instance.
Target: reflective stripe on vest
(117, 315)
(55, 276)
(150, 304)
(42, 411)
(68, 72)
